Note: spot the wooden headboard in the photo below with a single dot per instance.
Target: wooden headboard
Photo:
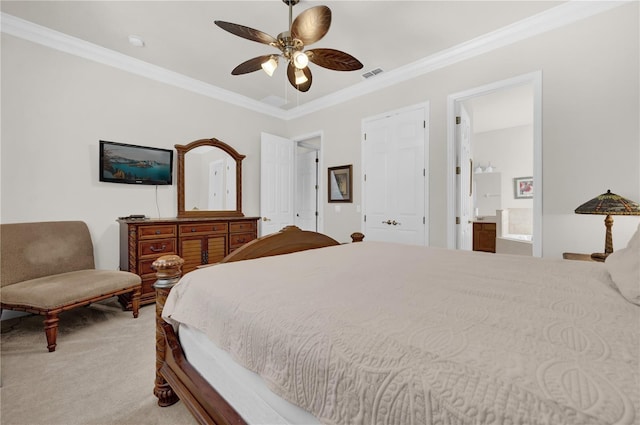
(288, 240)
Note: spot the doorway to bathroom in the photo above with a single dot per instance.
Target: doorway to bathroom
(494, 149)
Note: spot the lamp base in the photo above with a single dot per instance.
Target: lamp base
(599, 256)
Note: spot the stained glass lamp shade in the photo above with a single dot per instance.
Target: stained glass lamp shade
(608, 204)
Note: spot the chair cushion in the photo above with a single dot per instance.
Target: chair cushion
(62, 289)
(33, 250)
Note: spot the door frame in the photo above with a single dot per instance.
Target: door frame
(320, 192)
(533, 78)
(464, 198)
(427, 111)
(294, 142)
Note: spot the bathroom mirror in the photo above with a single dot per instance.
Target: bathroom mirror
(209, 179)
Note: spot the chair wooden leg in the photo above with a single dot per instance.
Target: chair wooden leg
(51, 330)
(135, 301)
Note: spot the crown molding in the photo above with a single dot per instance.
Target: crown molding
(39, 34)
(556, 17)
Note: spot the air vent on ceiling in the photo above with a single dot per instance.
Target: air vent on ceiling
(276, 101)
(372, 73)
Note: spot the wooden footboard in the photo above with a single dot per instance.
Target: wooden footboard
(175, 377)
(205, 403)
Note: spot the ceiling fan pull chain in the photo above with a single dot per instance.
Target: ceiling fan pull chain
(290, 14)
(286, 92)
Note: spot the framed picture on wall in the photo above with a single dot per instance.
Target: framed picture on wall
(523, 187)
(340, 184)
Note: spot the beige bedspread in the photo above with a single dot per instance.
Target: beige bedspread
(375, 333)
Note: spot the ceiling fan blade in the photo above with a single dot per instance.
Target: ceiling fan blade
(246, 32)
(333, 59)
(291, 74)
(312, 24)
(251, 65)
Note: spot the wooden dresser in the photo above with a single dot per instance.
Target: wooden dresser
(197, 240)
(484, 236)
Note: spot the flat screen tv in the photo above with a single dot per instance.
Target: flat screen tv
(132, 164)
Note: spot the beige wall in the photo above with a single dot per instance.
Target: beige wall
(590, 126)
(510, 152)
(55, 108)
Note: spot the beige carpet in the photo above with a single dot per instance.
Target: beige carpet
(102, 371)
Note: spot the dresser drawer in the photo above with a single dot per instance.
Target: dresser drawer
(242, 226)
(156, 232)
(144, 267)
(156, 247)
(490, 227)
(236, 240)
(203, 228)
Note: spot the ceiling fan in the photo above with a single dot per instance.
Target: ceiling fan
(309, 27)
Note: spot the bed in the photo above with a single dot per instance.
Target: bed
(375, 332)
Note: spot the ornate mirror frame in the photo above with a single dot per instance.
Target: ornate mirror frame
(182, 150)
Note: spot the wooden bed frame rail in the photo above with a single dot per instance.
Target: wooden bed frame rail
(175, 378)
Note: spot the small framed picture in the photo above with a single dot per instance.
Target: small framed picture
(340, 184)
(523, 187)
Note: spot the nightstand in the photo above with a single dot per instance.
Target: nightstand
(580, 257)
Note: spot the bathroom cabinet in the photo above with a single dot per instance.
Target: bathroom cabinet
(484, 237)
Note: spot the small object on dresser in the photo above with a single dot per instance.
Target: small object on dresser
(133, 217)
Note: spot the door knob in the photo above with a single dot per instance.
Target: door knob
(266, 219)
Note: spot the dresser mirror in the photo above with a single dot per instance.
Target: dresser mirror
(209, 179)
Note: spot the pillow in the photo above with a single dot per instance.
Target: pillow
(624, 267)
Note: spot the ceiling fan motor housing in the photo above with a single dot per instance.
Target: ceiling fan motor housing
(288, 45)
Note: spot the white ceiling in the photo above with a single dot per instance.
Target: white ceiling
(180, 36)
(510, 107)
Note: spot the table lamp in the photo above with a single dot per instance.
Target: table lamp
(608, 204)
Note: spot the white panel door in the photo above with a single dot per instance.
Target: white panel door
(216, 185)
(376, 151)
(276, 183)
(230, 180)
(465, 187)
(306, 190)
(410, 189)
(395, 178)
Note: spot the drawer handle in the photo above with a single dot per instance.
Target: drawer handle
(158, 232)
(153, 249)
(241, 240)
(193, 229)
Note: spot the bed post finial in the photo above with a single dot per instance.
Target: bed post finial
(168, 271)
(357, 237)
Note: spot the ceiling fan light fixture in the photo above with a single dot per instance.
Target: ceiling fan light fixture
(300, 77)
(300, 60)
(270, 65)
